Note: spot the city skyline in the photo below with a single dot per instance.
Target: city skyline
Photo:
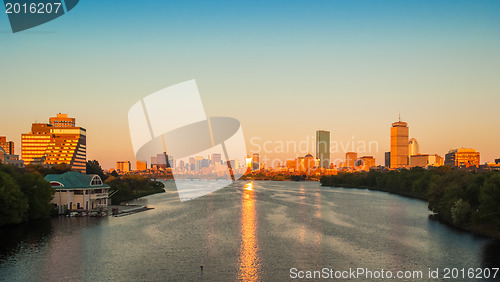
(336, 157)
(348, 68)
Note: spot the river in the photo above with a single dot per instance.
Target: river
(251, 231)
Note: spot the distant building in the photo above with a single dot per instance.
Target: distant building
(216, 159)
(142, 165)
(399, 144)
(413, 147)
(291, 164)
(182, 165)
(123, 166)
(171, 161)
(302, 164)
(323, 148)
(248, 162)
(198, 163)
(497, 161)
(62, 120)
(161, 160)
(235, 164)
(8, 147)
(255, 161)
(387, 159)
(309, 163)
(435, 160)
(350, 159)
(10, 159)
(366, 162)
(76, 191)
(59, 142)
(424, 160)
(463, 157)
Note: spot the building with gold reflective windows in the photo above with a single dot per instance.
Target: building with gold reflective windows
(141, 165)
(365, 162)
(462, 157)
(350, 159)
(399, 144)
(62, 120)
(123, 166)
(8, 147)
(59, 142)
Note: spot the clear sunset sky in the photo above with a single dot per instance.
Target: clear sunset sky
(283, 68)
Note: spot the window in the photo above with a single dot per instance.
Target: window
(96, 181)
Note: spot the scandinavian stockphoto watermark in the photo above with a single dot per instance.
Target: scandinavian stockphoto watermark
(382, 274)
(170, 129)
(26, 14)
(308, 144)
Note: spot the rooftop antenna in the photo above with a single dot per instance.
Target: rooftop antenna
(399, 117)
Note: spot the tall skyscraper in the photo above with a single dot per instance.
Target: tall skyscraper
(59, 142)
(413, 147)
(323, 148)
(399, 144)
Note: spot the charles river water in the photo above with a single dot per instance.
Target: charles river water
(261, 230)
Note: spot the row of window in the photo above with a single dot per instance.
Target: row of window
(80, 192)
(44, 136)
(24, 145)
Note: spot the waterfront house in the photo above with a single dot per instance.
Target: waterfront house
(77, 191)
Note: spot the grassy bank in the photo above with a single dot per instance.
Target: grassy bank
(467, 200)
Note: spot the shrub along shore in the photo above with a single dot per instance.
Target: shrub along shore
(465, 199)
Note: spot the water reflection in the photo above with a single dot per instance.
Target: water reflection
(27, 236)
(491, 254)
(282, 225)
(249, 262)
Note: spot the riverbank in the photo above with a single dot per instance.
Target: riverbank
(278, 177)
(131, 187)
(462, 199)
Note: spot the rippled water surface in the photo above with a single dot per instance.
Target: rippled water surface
(248, 231)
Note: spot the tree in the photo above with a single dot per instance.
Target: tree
(489, 199)
(13, 203)
(461, 213)
(39, 194)
(93, 167)
(43, 170)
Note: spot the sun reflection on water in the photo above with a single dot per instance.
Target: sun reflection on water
(249, 261)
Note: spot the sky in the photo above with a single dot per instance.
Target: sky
(283, 68)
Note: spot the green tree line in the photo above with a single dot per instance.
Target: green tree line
(24, 195)
(467, 199)
(129, 187)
